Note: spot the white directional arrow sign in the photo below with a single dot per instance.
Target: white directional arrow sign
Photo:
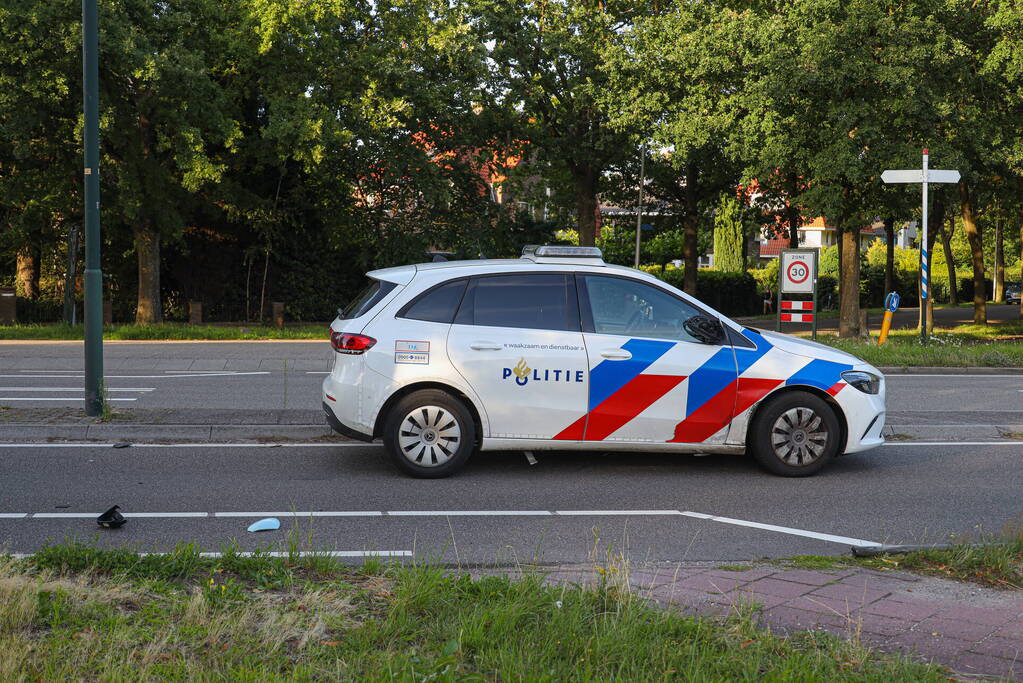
(916, 175)
(922, 176)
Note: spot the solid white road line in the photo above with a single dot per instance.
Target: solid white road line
(781, 529)
(317, 372)
(831, 538)
(616, 512)
(317, 513)
(193, 374)
(71, 389)
(322, 553)
(906, 375)
(301, 553)
(56, 398)
(86, 444)
(953, 443)
(468, 513)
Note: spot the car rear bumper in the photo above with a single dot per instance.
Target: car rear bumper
(342, 428)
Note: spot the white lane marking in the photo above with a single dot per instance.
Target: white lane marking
(905, 375)
(193, 374)
(56, 398)
(831, 538)
(317, 372)
(468, 513)
(323, 553)
(71, 389)
(317, 513)
(781, 529)
(953, 443)
(261, 444)
(616, 512)
(301, 553)
(81, 371)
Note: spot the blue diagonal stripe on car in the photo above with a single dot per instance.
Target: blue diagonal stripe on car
(611, 375)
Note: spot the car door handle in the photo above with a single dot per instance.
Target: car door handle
(485, 346)
(616, 354)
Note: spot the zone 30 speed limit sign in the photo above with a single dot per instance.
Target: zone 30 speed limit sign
(798, 271)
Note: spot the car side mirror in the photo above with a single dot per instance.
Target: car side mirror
(706, 329)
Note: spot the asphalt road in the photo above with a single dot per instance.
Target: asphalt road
(567, 508)
(287, 375)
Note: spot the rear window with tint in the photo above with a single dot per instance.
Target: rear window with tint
(437, 305)
(369, 297)
(534, 301)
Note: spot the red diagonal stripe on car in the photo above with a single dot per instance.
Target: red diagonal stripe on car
(628, 402)
(619, 408)
(721, 408)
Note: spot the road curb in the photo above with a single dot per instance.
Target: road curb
(952, 432)
(924, 370)
(135, 432)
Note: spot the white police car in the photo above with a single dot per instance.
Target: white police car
(559, 351)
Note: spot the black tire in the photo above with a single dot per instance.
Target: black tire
(429, 434)
(787, 439)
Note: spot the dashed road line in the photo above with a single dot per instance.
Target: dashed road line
(56, 398)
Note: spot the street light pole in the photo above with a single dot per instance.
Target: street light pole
(639, 203)
(93, 271)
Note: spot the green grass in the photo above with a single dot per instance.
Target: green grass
(166, 331)
(990, 561)
(77, 613)
(994, 345)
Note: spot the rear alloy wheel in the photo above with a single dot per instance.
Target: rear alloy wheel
(795, 435)
(429, 434)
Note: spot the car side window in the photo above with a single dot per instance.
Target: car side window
(539, 301)
(436, 305)
(627, 307)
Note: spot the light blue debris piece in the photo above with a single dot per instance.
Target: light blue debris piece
(268, 524)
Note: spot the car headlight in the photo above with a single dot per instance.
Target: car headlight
(864, 381)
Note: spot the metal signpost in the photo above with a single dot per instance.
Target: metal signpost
(922, 176)
(93, 272)
(797, 274)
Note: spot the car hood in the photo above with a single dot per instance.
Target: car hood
(809, 349)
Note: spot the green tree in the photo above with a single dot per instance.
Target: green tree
(729, 236)
(545, 60)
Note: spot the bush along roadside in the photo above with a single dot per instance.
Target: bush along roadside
(75, 612)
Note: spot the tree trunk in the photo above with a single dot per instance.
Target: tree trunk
(946, 246)
(793, 211)
(585, 178)
(935, 218)
(28, 272)
(690, 229)
(849, 297)
(999, 293)
(889, 254)
(973, 235)
(147, 249)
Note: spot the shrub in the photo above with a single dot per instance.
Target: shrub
(730, 293)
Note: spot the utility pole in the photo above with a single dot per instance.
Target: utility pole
(93, 271)
(639, 202)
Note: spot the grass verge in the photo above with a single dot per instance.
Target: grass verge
(995, 345)
(75, 612)
(996, 562)
(165, 331)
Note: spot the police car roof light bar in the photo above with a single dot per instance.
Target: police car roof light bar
(539, 251)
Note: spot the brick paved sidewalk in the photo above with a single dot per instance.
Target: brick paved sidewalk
(970, 629)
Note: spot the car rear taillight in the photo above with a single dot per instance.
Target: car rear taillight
(345, 342)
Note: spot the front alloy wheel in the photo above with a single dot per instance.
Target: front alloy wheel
(794, 434)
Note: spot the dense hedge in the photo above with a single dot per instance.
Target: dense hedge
(733, 294)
